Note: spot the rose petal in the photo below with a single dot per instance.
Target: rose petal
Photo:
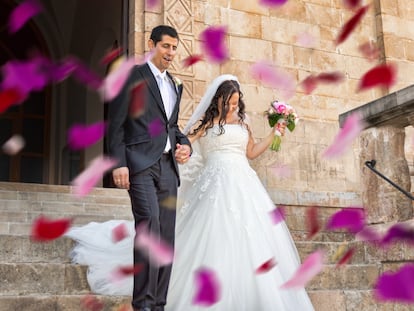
(85, 75)
(312, 265)
(312, 223)
(381, 75)
(9, 97)
(352, 219)
(155, 127)
(347, 257)
(266, 266)
(352, 3)
(122, 272)
(119, 232)
(44, 229)
(351, 24)
(265, 73)
(91, 303)
(398, 233)
(22, 13)
(13, 145)
(114, 82)
(111, 56)
(343, 141)
(396, 286)
(272, 3)
(86, 180)
(207, 288)
(191, 60)
(369, 50)
(213, 43)
(309, 84)
(158, 251)
(81, 136)
(305, 39)
(278, 215)
(138, 97)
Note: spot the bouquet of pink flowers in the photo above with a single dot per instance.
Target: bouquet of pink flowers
(280, 114)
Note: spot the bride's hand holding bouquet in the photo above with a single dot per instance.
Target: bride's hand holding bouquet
(280, 115)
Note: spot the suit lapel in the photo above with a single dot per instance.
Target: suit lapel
(153, 87)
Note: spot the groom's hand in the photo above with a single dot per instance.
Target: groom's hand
(182, 153)
(121, 177)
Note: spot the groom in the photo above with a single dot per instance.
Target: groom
(147, 159)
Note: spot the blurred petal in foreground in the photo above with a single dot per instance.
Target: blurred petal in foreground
(266, 266)
(44, 229)
(312, 265)
(213, 44)
(207, 288)
(81, 136)
(13, 145)
(399, 232)
(23, 13)
(351, 25)
(343, 141)
(86, 180)
(396, 286)
(350, 218)
(272, 3)
(381, 75)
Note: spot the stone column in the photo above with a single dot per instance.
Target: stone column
(383, 202)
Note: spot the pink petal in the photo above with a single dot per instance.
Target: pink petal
(155, 128)
(312, 265)
(22, 13)
(152, 3)
(86, 180)
(351, 24)
(312, 223)
(343, 141)
(81, 136)
(352, 3)
(13, 145)
(142, 59)
(191, 60)
(158, 251)
(265, 73)
(207, 288)
(369, 50)
(306, 40)
(44, 229)
(213, 43)
(396, 286)
(399, 232)
(91, 303)
(352, 219)
(114, 82)
(266, 266)
(119, 233)
(272, 3)
(278, 215)
(138, 97)
(368, 234)
(381, 75)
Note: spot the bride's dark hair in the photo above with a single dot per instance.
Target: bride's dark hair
(225, 91)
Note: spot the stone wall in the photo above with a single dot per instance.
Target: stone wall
(256, 33)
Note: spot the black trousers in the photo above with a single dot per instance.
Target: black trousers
(153, 194)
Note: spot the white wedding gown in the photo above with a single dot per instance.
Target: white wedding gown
(223, 224)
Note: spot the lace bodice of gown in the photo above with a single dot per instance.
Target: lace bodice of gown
(234, 140)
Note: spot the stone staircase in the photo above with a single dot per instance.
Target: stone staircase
(39, 276)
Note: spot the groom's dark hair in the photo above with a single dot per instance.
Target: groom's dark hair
(161, 30)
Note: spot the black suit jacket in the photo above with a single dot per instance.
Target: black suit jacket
(129, 139)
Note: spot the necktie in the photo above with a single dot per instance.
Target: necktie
(163, 85)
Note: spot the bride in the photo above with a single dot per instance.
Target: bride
(223, 220)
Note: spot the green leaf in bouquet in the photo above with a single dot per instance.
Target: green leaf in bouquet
(273, 118)
(291, 126)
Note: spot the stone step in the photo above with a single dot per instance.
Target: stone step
(43, 302)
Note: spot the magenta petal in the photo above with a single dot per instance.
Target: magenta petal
(398, 233)
(343, 141)
(207, 288)
(80, 136)
(213, 43)
(86, 180)
(278, 215)
(312, 265)
(272, 3)
(158, 251)
(22, 13)
(155, 128)
(396, 286)
(352, 219)
(85, 75)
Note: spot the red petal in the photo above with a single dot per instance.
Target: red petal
(119, 233)
(352, 3)
(91, 303)
(330, 77)
(309, 84)
(111, 56)
(347, 257)
(369, 50)
(266, 266)
(138, 98)
(44, 229)
(312, 222)
(130, 270)
(381, 75)
(351, 24)
(191, 60)
(8, 98)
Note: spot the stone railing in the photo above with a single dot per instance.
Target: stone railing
(383, 140)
